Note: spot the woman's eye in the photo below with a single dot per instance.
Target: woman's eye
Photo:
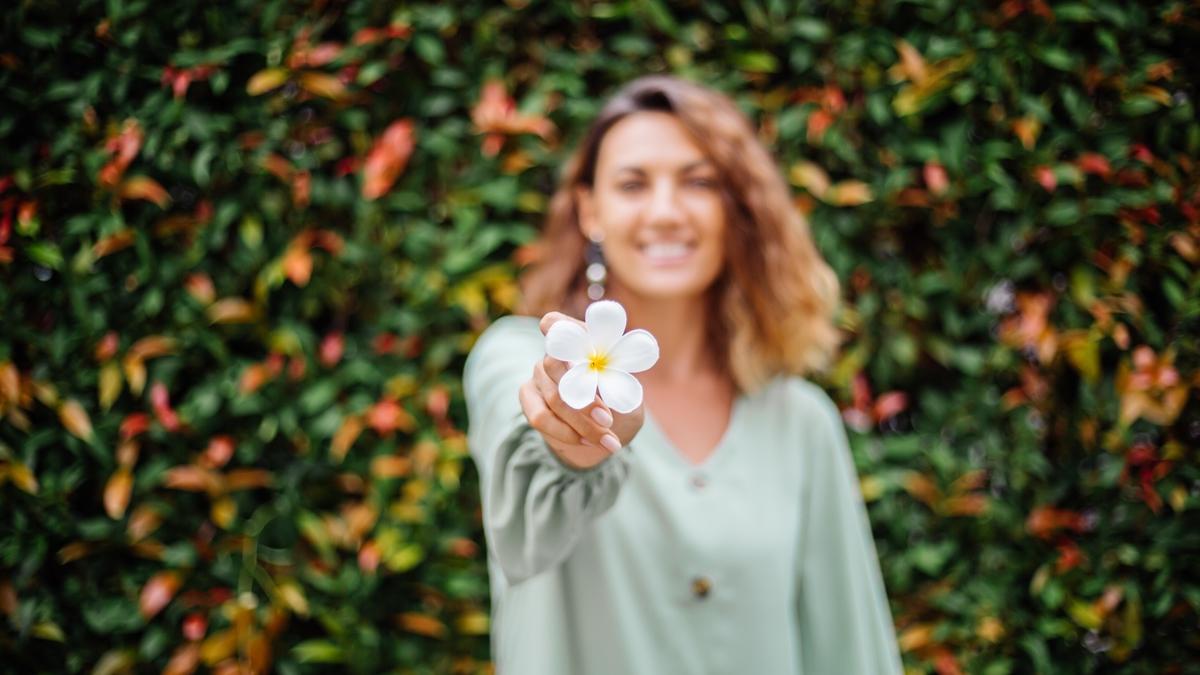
(630, 187)
(703, 182)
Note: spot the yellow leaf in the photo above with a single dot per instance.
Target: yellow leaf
(22, 477)
(75, 419)
(219, 646)
(110, 384)
(1085, 614)
(224, 510)
(266, 80)
(473, 622)
(323, 84)
(115, 661)
(117, 491)
(293, 597)
(231, 310)
(811, 177)
(849, 193)
(135, 374)
(990, 629)
(48, 630)
(872, 488)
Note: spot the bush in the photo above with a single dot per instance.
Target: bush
(245, 247)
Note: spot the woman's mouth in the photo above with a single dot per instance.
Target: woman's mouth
(667, 253)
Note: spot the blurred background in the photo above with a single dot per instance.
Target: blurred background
(245, 247)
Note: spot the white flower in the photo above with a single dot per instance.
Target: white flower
(602, 356)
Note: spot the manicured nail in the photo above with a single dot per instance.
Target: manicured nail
(602, 417)
(610, 443)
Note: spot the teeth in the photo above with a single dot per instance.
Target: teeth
(666, 250)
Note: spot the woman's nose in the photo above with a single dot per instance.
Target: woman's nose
(664, 205)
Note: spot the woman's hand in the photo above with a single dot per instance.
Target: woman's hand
(581, 438)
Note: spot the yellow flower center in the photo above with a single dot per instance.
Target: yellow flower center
(598, 361)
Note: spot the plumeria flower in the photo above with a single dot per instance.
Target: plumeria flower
(602, 356)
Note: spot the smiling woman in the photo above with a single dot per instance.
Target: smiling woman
(735, 540)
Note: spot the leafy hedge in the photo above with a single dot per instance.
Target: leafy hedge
(245, 246)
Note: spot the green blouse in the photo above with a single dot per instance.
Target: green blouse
(757, 561)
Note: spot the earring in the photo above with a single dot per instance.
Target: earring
(596, 272)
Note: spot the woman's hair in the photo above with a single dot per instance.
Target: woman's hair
(773, 302)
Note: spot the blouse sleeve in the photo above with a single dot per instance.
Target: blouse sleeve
(535, 507)
(845, 623)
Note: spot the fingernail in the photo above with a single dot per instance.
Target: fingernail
(610, 443)
(602, 417)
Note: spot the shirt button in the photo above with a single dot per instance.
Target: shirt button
(699, 482)
(701, 587)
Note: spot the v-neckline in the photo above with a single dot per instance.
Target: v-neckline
(719, 450)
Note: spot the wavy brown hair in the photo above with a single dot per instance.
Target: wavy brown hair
(776, 296)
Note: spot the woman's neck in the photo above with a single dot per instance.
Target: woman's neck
(681, 328)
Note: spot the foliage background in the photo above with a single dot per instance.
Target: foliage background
(245, 247)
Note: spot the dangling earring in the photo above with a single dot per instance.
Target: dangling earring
(596, 272)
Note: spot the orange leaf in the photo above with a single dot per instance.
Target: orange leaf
(849, 193)
(911, 62)
(192, 479)
(421, 624)
(116, 493)
(10, 383)
(266, 80)
(246, 479)
(153, 346)
(387, 158)
(143, 522)
(390, 466)
(75, 419)
(142, 187)
(297, 264)
(157, 592)
(200, 287)
(113, 243)
(345, 436)
(184, 661)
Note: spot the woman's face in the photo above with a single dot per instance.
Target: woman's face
(656, 202)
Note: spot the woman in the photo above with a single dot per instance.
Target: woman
(717, 528)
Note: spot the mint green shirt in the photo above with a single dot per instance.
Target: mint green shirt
(759, 561)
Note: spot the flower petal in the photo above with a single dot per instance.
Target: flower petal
(634, 352)
(620, 390)
(567, 341)
(605, 323)
(578, 386)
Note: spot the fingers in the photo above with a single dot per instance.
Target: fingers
(550, 318)
(591, 423)
(542, 419)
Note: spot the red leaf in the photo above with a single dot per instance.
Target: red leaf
(161, 402)
(935, 178)
(219, 451)
(157, 592)
(134, 425)
(125, 147)
(387, 158)
(332, 347)
(1046, 178)
(1094, 163)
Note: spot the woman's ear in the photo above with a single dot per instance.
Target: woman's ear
(587, 210)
